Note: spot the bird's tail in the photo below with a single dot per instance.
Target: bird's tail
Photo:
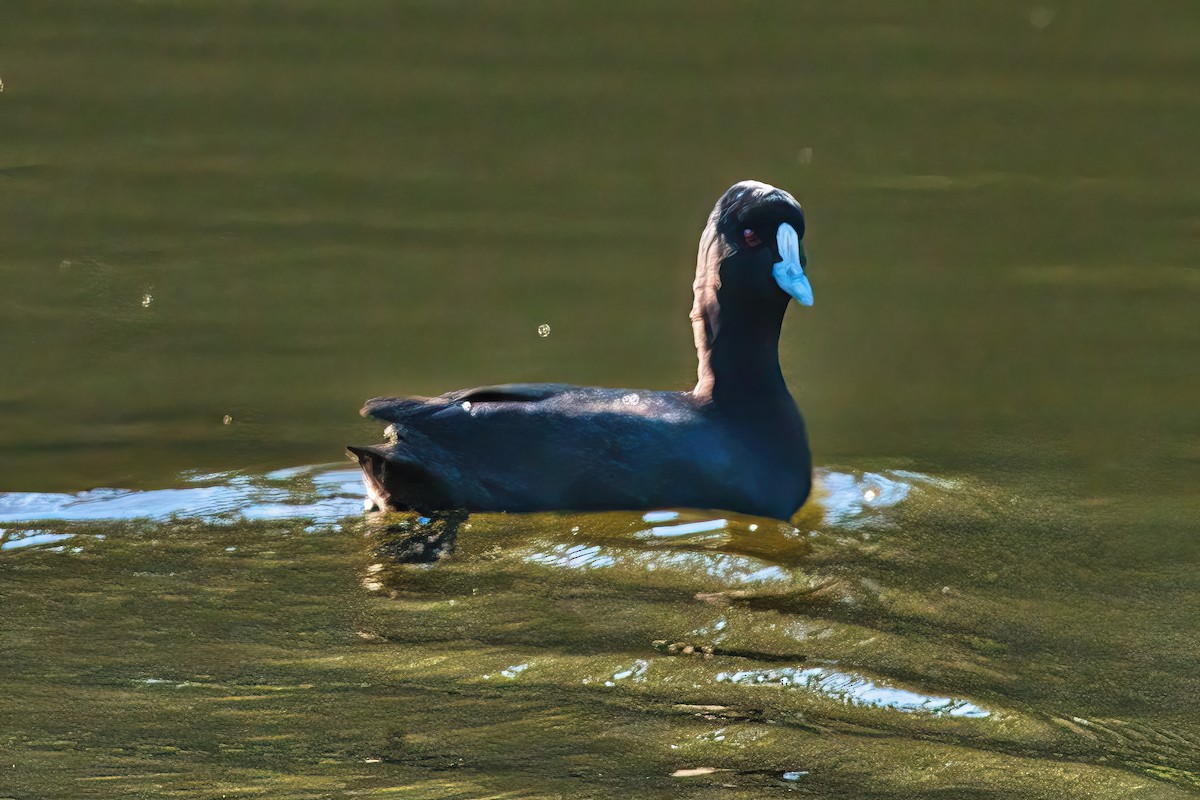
(397, 481)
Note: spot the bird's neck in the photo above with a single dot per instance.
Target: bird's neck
(738, 348)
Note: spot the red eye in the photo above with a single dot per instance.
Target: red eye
(751, 238)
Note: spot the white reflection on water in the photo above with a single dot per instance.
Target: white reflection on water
(325, 497)
(849, 500)
(18, 539)
(636, 671)
(510, 672)
(730, 569)
(576, 556)
(686, 528)
(853, 689)
(327, 493)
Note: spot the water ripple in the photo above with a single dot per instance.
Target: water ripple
(321, 494)
(329, 493)
(726, 568)
(854, 689)
(851, 500)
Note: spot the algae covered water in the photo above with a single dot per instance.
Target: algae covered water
(224, 226)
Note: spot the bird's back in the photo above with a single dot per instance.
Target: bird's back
(531, 447)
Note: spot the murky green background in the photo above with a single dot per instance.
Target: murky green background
(273, 210)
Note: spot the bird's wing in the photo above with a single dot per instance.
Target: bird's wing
(509, 393)
(402, 409)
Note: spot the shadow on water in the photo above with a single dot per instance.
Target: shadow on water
(682, 650)
(424, 540)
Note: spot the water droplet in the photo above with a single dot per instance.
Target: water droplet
(226, 420)
(543, 330)
(147, 299)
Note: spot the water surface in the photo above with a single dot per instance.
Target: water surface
(224, 225)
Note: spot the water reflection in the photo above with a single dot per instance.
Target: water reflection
(576, 556)
(851, 500)
(328, 493)
(12, 540)
(727, 569)
(853, 689)
(510, 672)
(319, 493)
(686, 528)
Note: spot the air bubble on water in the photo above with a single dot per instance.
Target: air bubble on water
(226, 420)
(753, 527)
(147, 299)
(543, 330)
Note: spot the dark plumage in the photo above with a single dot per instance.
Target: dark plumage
(736, 442)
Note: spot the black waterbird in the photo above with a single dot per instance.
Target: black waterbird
(736, 442)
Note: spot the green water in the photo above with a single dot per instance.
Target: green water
(270, 211)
